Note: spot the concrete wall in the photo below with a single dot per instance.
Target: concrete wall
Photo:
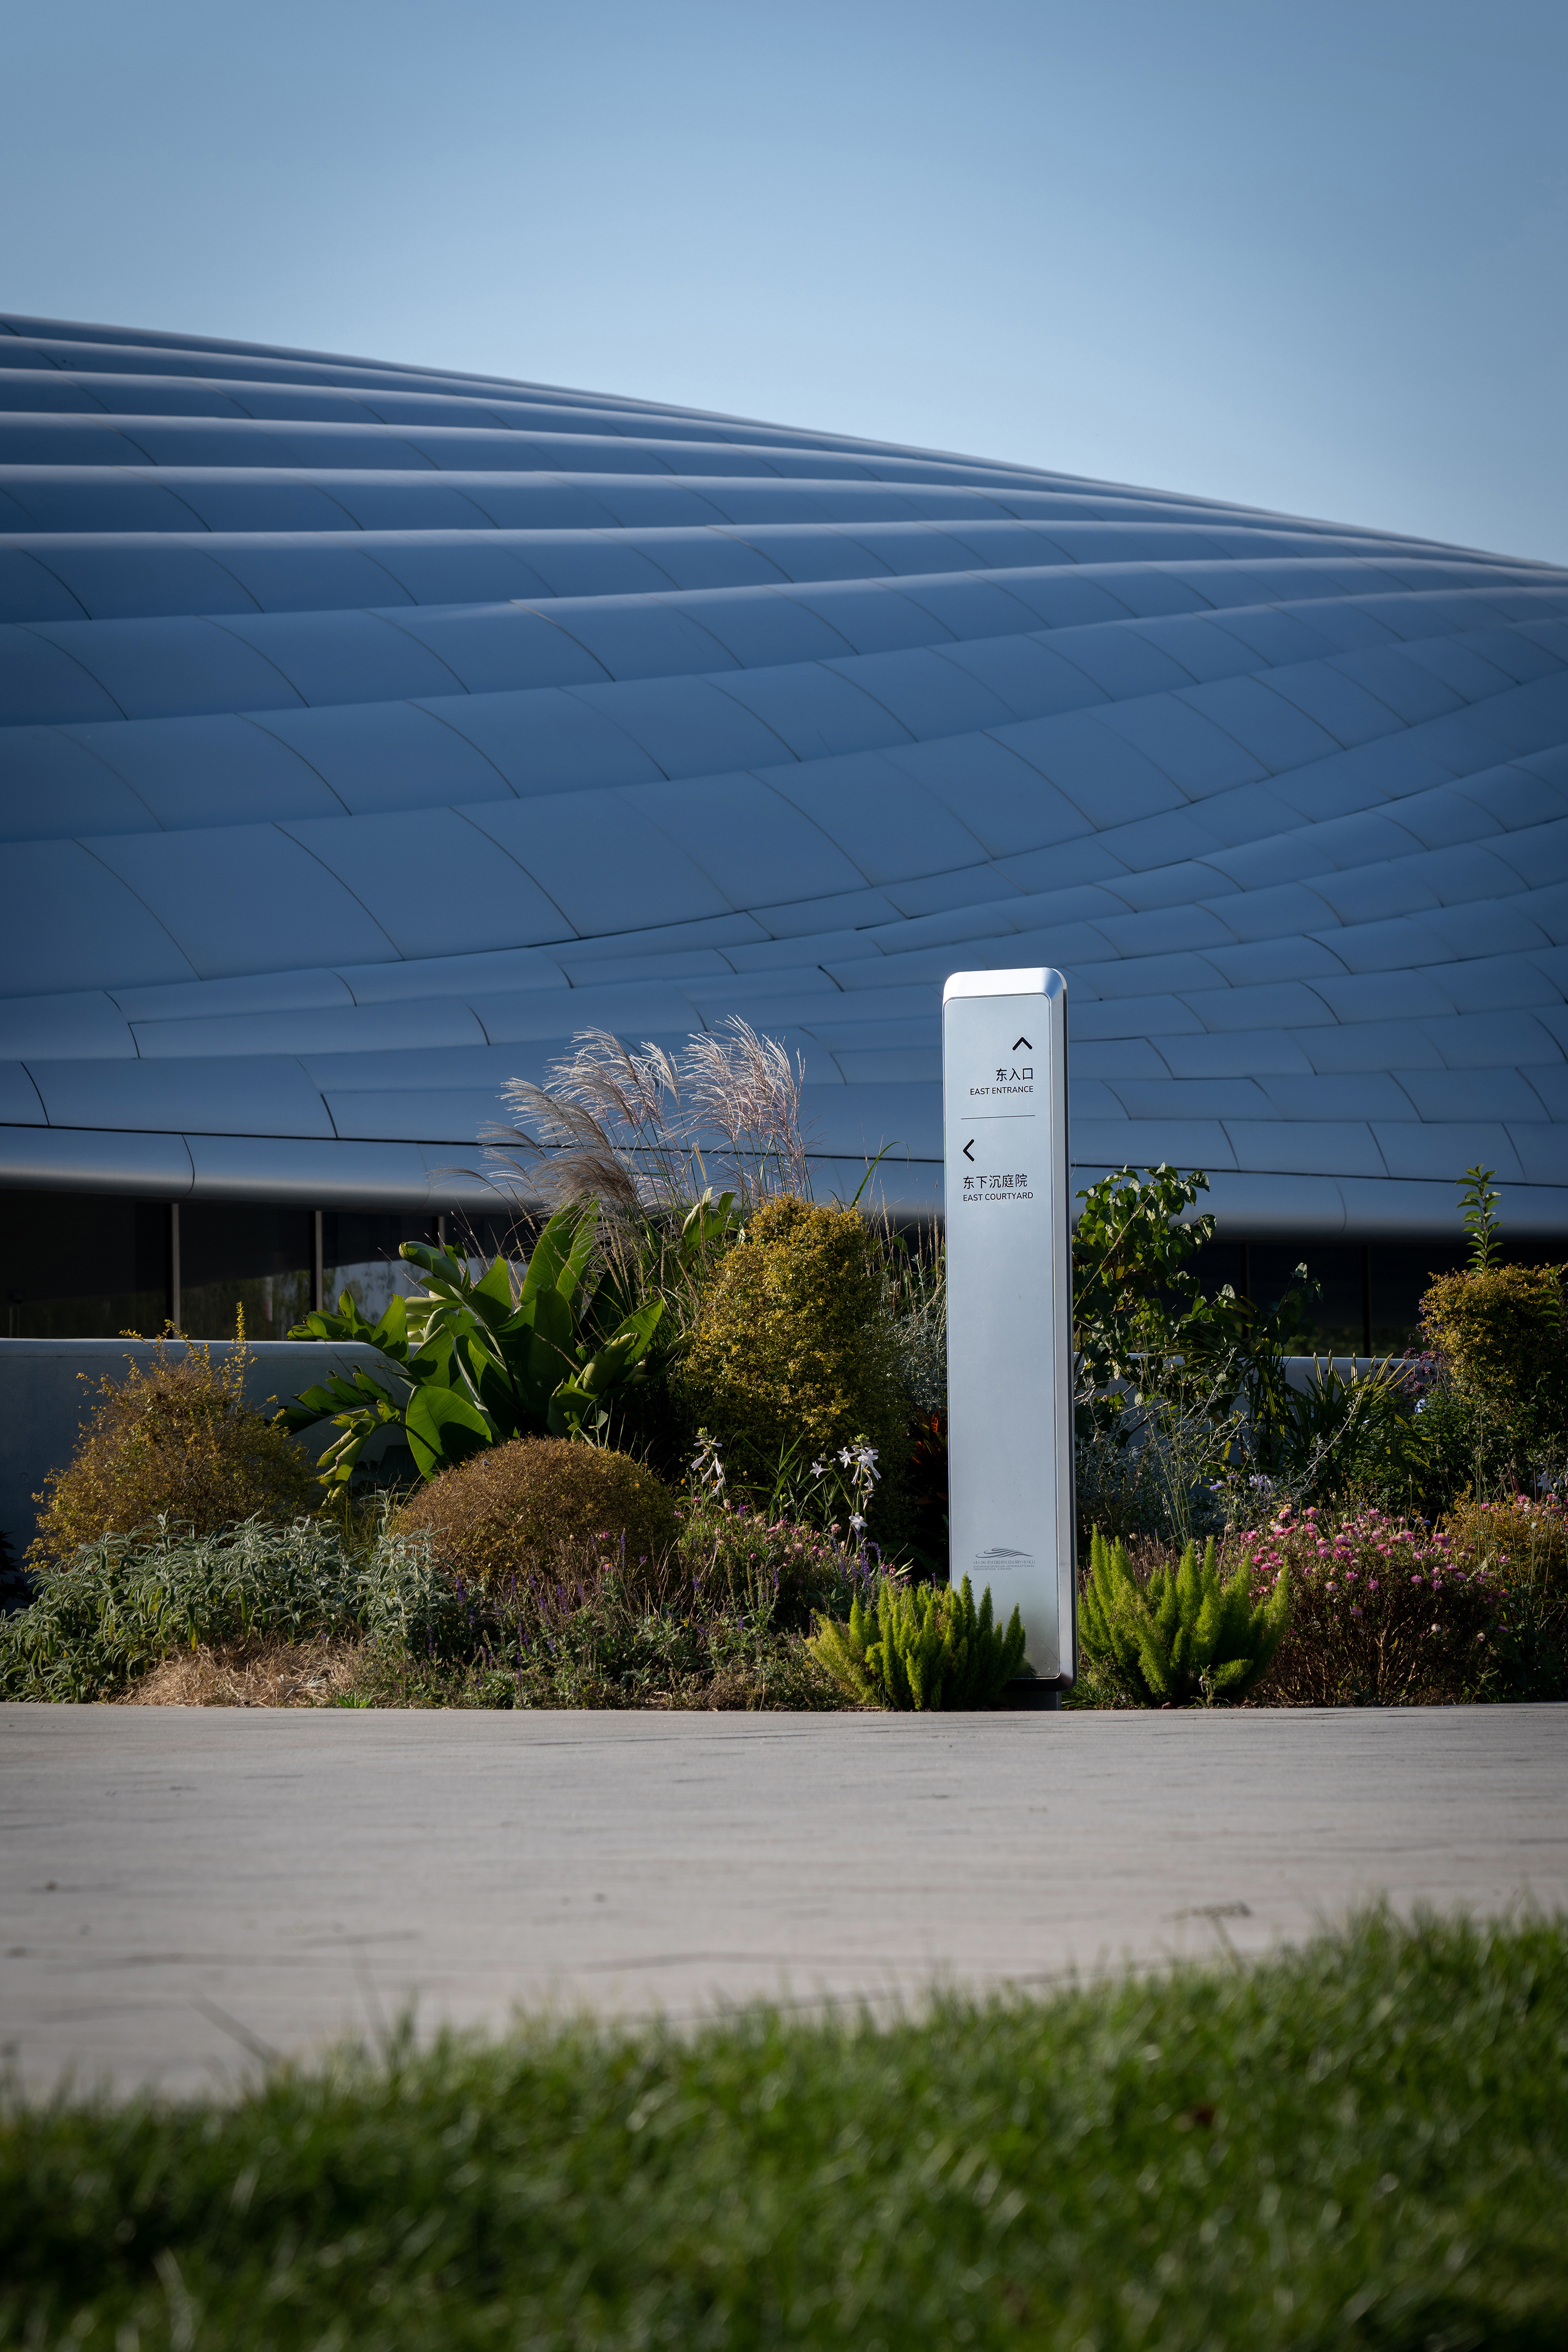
(48, 1387)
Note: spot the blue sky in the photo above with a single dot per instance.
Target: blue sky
(1309, 257)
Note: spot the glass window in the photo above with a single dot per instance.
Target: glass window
(359, 1254)
(241, 1254)
(82, 1266)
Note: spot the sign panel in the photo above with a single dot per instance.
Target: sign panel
(1009, 1304)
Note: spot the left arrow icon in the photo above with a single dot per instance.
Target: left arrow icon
(968, 1149)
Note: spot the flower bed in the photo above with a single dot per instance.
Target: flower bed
(1383, 1613)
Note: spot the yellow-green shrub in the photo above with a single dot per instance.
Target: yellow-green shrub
(536, 1507)
(174, 1437)
(794, 1343)
(1521, 1538)
(1502, 1334)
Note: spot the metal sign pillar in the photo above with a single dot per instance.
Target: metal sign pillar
(1009, 1305)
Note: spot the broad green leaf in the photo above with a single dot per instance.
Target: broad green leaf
(444, 1427)
(553, 1321)
(496, 1285)
(391, 1333)
(569, 1279)
(560, 1252)
(435, 1262)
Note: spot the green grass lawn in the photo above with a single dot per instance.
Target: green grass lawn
(1363, 2143)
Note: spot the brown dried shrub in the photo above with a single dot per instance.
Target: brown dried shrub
(251, 1674)
(174, 1437)
(535, 1506)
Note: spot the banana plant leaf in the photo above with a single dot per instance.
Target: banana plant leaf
(473, 1363)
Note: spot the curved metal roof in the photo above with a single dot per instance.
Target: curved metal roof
(369, 730)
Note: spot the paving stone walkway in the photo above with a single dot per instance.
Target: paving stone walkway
(180, 1887)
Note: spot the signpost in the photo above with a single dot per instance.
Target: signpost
(1009, 1306)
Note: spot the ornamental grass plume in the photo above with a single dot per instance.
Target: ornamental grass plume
(645, 1132)
(1183, 1636)
(1383, 1614)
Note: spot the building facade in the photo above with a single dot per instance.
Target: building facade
(367, 732)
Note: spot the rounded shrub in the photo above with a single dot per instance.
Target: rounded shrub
(795, 1343)
(174, 1438)
(1502, 1335)
(536, 1506)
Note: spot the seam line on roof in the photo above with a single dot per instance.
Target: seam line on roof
(259, 721)
(63, 583)
(610, 534)
(218, 621)
(624, 791)
(281, 826)
(610, 679)
(150, 911)
(425, 712)
(39, 629)
(390, 618)
(104, 760)
(572, 934)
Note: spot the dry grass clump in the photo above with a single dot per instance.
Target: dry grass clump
(174, 1437)
(251, 1674)
(534, 1507)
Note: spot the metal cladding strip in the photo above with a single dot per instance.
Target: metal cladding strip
(366, 733)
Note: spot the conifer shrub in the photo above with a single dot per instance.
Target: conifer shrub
(536, 1507)
(1182, 1635)
(794, 1345)
(919, 1648)
(175, 1439)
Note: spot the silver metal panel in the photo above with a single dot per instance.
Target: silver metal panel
(1010, 1303)
(374, 757)
(1287, 798)
(70, 924)
(389, 863)
(816, 712)
(237, 1095)
(99, 1159)
(215, 769)
(51, 784)
(238, 899)
(634, 873)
